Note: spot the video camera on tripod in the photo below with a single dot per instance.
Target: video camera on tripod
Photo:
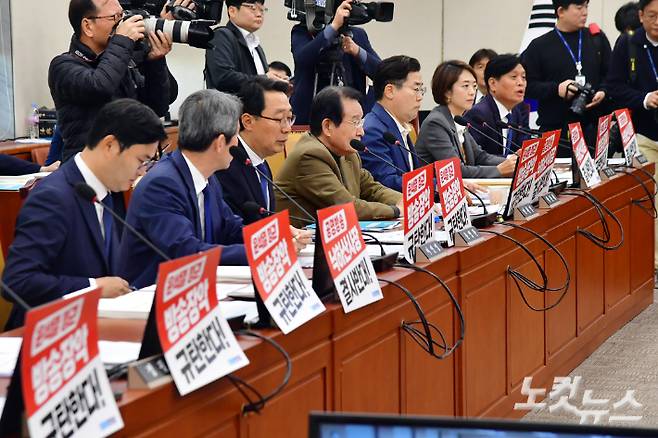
(318, 13)
(190, 26)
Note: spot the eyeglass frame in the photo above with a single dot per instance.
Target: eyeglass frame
(357, 124)
(421, 91)
(113, 17)
(159, 153)
(291, 120)
(253, 8)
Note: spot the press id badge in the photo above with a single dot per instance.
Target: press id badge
(581, 80)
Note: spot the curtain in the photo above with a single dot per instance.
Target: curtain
(6, 77)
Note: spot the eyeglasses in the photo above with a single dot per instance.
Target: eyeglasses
(255, 8)
(651, 17)
(148, 164)
(356, 123)
(114, 17)
(284, 121)
(420, 90)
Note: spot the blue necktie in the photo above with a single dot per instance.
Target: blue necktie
(107, 227)
(411, 148)
(207, 217)
(264, 188)
(508, 142)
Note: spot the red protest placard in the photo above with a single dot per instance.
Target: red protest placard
(628, 137)
(523, 183)
(349, 264)
(602, 142)
(417, 201)
(452, 196)
(277, 274)
(545, 161)
(583, 158)
(65, 386)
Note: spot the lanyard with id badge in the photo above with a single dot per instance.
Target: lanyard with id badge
(580, 78)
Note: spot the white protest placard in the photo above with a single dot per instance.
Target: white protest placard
(417, 202)
(602, 142)
(628, 137)
(523, 184)
(584, 160)
(545, 162)
(452, 197)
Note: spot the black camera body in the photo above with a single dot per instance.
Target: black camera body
(317, 14)
(203, 9)
(584, 95)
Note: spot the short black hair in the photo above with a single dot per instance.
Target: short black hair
(481, 54)
(278, 65)
(627, 18)
(500, 65)
(565, 4)
(252, 93)
(238, 3)
(327, 104)
(643, 4)
(130, 121)
(79, 9)
(393, 70)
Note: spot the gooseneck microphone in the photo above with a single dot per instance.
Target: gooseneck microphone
(241, 156)
(14, 296)
(392, 140)
(463, 122)
(252, 209)
(86, 192)
(358, 145)
(532, 132)
(492, 129)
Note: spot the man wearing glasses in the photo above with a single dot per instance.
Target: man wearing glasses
(99, 68)
(236, 55)
(63, 242)
(324, 170)
(399, 91)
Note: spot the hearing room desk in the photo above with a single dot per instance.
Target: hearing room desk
(364, 362)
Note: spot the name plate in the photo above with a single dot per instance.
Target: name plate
(148, 373)
(524, 212)
(467, 236)
(548, 200)
(607, 173)
(429, 251)
(640, 159)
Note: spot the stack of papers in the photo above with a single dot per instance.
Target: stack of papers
(233, 274)
(371, 226)
(12, 183)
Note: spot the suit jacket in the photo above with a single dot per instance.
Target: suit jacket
(376, 123)
(312, 177)
(438, 140)
(10, 165)
(486, 111)
(58, 244)
(164, 208)
(229, 63)
(240, 185)
(308, 51)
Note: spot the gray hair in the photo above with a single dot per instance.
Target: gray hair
(204, 115)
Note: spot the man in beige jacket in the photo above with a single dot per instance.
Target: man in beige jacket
(323, 169)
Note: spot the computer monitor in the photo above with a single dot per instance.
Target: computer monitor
(335, 425)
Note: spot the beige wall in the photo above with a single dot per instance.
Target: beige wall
(430, 30)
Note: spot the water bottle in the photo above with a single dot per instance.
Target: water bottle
(33, 122)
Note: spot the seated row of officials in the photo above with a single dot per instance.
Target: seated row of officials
(64, 243)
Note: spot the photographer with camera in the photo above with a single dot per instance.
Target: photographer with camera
(565, 69)
(339, 54)
(99, 67)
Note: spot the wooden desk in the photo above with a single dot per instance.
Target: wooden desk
(364, 362)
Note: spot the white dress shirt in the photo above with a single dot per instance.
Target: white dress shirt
(200, 183)
(404, 132)
(255, 161)
(503, 114)
(252, 42)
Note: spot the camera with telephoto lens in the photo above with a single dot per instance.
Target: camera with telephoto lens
(584, 95)
(203, 9)
(317, 14)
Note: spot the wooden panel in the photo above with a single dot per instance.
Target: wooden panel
(589, 278)
(561, 320)
(428, 382)
(375, 370)
(526, 326)
(485, 358)
(641, 237)
(617, 264)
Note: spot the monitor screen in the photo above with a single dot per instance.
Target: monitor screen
(332, 425)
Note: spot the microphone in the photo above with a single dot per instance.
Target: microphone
(358, 145)
(486, 125)
(253, 209)
(532, 132)
(463, 122)
(14, 296)
(86, 192)
(392, 140)
(240, 155)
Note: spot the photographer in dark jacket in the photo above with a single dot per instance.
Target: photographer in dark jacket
(99, 68)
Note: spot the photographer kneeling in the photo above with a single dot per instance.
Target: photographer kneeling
(99, 67)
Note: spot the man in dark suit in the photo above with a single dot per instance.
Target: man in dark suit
(179, 205)
(312, 53)
(65, 243)
(236, 55)
(399, 92)
(506, 83)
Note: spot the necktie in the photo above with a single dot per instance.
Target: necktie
(207, 217)
(412, 157)
(107, 227)
(508, 141)
(264, 188)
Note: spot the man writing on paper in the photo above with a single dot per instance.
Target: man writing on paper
(324, 170)
(65, 243)
(179, 205)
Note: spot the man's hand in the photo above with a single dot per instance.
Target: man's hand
(652, 100)
(400, 206)
(350, 47)
(132, 28)
(51, 168)
(277, 76)
(473, 187)
(342, 13)
(506, 168)
(597, 99)
(160, 45)
(112, 287)
(189, 4)
(301, 238)
(564, 91)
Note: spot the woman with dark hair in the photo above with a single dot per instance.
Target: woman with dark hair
(453, 88)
